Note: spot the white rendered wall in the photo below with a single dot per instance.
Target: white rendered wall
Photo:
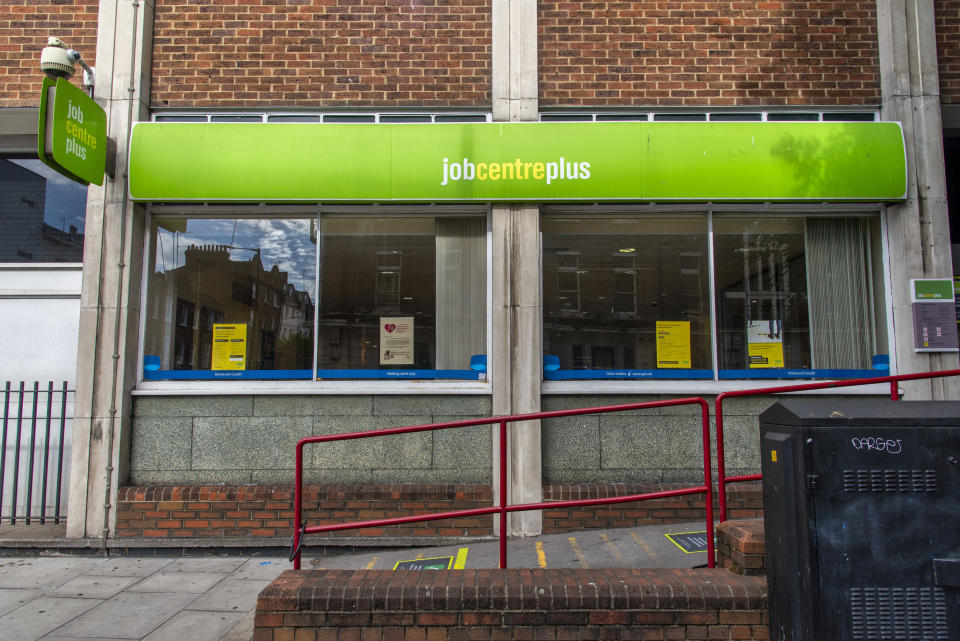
(39, 314)
(39, 317)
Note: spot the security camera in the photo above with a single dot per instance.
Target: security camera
(57, 61)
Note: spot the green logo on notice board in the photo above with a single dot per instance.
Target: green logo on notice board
(73, 132)
(932, 289)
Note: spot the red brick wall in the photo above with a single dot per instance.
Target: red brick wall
(548, 605)
(24, 27)
(744, 501)
(321, 53)
(267, 511)
(691, 52)
(948, 48)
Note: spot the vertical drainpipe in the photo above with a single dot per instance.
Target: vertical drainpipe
(121, 267)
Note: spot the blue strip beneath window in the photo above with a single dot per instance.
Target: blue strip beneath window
(306, 374)
(727, 374)
(609, 374)
(706, 374)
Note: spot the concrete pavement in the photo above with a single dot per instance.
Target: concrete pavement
(156, 599)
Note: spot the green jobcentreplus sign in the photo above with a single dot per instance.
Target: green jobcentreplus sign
(73, 132)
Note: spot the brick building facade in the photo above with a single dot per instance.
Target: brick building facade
(463, 63)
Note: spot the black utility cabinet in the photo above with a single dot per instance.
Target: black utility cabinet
(860, 498)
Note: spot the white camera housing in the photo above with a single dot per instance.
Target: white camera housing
(57, 61)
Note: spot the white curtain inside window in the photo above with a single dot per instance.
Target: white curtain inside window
(842, 332)
(461, 291)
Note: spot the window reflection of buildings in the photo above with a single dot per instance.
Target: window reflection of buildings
(27, 236)
(211, 288)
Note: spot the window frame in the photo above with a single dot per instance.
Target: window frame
(718, 384)
(305, 386)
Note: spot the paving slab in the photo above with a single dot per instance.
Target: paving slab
(204, 564)
(262, 568)
(44, 573)
(43, 615)
(231, 595)
(13, 598)
(90, 586)
(195, 625)
(178, 582)
(130, 566)
(129, 615)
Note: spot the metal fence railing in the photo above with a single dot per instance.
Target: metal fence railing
(503, 507)
(723, 479)
(35, 452)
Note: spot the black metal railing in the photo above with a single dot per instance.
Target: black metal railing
(36, 429)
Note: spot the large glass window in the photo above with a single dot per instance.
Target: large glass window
(230, 298)
(795, 297)
(43, 214)
(395, 297)
(402, 297)
(627, 297)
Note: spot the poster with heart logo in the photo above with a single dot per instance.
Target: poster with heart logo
(396, 340)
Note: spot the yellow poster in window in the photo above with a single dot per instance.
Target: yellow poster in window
(673, 344)
(229, 347)
(764, 344)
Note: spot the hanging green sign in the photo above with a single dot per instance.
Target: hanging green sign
(591, 161)
(73, 132)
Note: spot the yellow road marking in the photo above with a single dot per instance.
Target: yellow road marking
(613, 548)
(578, 552)
(541, 557)
(372, 563)
(418, 557)
(644, 546)
(461, 561)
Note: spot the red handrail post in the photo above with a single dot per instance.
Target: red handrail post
(721, 464)
(894, 391)
(503, 494)
(707, 479)
(298, 506)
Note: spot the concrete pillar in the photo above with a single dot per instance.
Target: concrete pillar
(110, 294)
(918, 235)
(516, 319)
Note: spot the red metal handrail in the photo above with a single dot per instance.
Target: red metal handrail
(300, 528)
(723, 479)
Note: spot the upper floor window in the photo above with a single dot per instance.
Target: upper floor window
(43, 214)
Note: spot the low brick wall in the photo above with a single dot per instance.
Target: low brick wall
(744, 500)
(741, 547)
(267, 511)
(549, 605)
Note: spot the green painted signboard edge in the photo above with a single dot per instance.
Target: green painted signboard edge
(52, 127)
(479, 162)
(42, 133)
